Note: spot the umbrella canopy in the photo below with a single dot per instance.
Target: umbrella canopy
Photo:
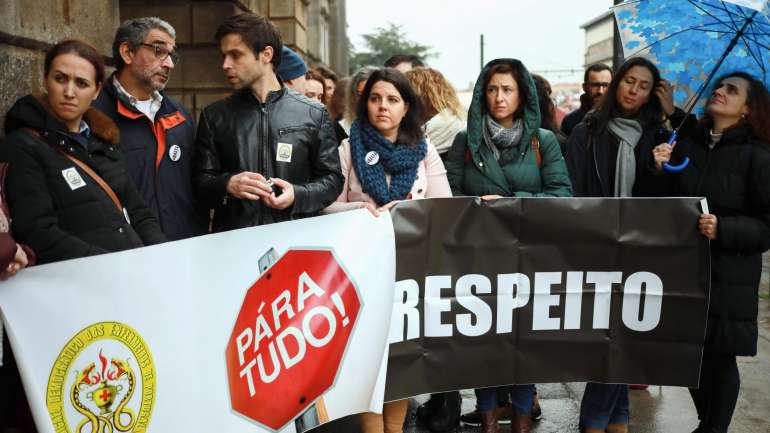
(692, 40)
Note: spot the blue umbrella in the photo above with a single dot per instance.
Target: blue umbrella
(690, 40)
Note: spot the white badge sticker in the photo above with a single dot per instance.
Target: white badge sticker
(283, 152)
(372, 157)
(73, 179)
(175, 152)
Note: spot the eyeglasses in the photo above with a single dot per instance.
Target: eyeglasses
(161, 53)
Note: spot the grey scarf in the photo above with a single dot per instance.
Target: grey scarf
(498, 137)
(628, 131)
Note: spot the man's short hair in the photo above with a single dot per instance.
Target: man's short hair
(596, 67)
(134, 32)
(256, 31)
(397, 59)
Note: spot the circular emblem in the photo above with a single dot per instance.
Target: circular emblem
(372, 157)
(175, 152)
(102, 381)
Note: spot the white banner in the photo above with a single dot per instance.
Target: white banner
(193, 336)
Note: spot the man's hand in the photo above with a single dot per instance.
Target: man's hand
(248, 186)
(284, 200)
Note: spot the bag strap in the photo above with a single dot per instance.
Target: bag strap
(88, 170)
(3, 202)
(536, 150)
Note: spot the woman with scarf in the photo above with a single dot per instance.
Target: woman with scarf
(443, 114)
(729, 151)
(386, 160)
(609, 154)
(505, 153)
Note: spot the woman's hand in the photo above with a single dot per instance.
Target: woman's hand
(370, 207)
(491, 197)
(665, 93)
(19, 262)
(707, 224)
(662, 153)
(387, 207)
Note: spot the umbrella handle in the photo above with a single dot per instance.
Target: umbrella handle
(675, 168)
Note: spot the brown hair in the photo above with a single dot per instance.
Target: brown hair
(410, 130)
(81, 49)
(758, 101)
(337, 104)
(256, 31)
(507, 68)
(435, 92)
(313, 75)
(326, 73)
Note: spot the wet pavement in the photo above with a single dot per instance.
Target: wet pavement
(654, 410)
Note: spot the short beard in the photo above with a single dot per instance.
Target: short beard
(146, 79)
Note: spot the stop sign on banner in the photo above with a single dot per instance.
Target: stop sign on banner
(290, 336)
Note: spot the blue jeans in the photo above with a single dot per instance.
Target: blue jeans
(604, 404)
(522, 397)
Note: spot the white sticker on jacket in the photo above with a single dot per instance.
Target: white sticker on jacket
(283, 152)
(73, 179)
(174, 153)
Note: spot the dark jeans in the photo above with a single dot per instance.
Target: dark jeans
(719, 385)
(521, 398)
(604, 404)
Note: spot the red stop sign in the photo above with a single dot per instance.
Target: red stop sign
(290, 336)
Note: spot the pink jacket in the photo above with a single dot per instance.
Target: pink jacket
(431, 181)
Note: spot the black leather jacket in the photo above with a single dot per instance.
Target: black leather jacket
(240, 133)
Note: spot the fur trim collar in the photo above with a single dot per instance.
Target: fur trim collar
(101, 125)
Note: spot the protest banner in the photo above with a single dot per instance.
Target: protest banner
(200, 335)
(546, 290)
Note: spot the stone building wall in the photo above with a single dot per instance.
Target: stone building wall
(28, 28)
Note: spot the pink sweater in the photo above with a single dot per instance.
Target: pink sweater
(431, 181)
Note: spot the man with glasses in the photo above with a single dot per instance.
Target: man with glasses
(156, 132)
(596, 80)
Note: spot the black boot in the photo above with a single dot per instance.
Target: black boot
(446, 416)
(425, 411)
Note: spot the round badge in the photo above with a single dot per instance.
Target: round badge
(372, 157)
(175, 152)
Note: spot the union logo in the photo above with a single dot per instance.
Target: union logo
(103, 381)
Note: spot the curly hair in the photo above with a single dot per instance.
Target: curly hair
(435, 92)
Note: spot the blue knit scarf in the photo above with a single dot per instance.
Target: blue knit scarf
(399, 160)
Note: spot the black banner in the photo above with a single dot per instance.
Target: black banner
(536, 290)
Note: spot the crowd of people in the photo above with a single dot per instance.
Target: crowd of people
(98, 164)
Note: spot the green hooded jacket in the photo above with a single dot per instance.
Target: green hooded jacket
(471, 166)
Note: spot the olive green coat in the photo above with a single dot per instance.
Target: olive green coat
(471, 165)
